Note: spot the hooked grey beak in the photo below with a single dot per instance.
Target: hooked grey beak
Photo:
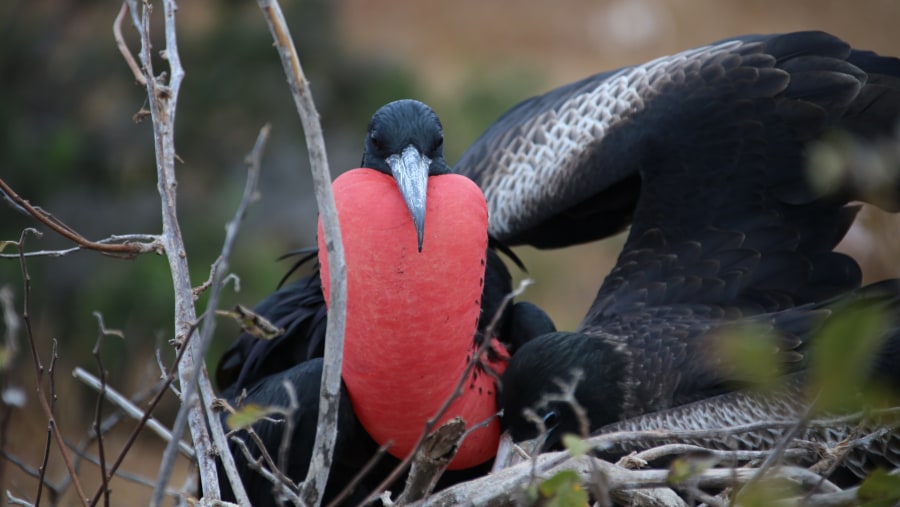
(410, 170)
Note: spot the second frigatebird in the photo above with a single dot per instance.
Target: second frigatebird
(706, 155)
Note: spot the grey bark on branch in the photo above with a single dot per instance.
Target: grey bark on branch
(162, 91)
(330, 390)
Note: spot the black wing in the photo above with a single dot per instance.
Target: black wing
(728, 225)
(299, 309)
(569, 166)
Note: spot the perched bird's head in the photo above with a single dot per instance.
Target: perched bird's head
(550, 375)
(406, 140)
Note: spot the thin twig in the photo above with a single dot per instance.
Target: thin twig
(24, 467)
(330, 389)
(52, 426)
(363, 472)
(106, 426)
(165, 383)
(254, 166)
(123, 47)
(664, 450)
(782, 444)
(14, 500)
(287, 435)
(126, 250)
(272, 475)
(101, 395)
(163, 98)
(130, 409)
(115, 238)
(130, 477)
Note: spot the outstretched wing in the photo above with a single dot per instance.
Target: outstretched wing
(569, 166)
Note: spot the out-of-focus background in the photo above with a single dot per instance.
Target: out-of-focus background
(68, 143)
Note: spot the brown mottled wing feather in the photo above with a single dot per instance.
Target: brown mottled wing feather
(787, 405)
(567, 166)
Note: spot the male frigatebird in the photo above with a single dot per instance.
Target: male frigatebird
(706, 155)
(422, 288)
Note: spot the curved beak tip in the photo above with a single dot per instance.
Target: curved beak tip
(420, 230)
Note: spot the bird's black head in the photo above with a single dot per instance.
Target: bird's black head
(537, 376)
(406, 141)
(402, 124)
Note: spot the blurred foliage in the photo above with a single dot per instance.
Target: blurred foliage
(562, 489)
(686, 467)
(248, 415)
(766, 492)
(747, 349)
(841, 357)
(843, 353)
(880, 489)
(576, 445)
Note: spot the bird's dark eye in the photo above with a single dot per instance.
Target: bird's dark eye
(376, 140)
(551, 419)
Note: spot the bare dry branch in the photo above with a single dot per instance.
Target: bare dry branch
(665, 450)
(115, 238)
(14, 500)
(254, 165)
(363, 472)
(130, 409)
(163, 99)
(503, 487)
(127, 249)
(145, 418)
(98, 410)
(284, 447)
(52, 426)
(330, 390)
(437, 451)
(123, 47)
(282, 484)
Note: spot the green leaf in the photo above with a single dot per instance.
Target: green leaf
(685, 467)
(576, 445)
(247, 415)
(563, 490)
(766, 492)
(749, 352)
(879, 489)
(842, 355)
